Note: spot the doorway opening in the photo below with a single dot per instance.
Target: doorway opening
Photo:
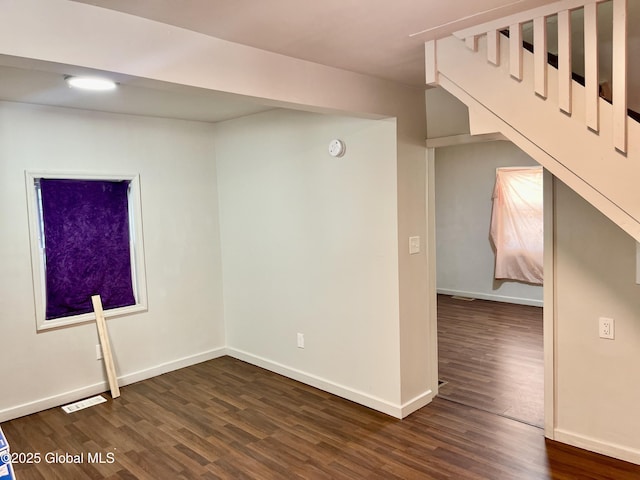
(490, 332)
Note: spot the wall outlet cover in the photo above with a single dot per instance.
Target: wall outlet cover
(606, 328)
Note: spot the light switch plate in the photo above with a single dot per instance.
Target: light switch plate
(414, 245)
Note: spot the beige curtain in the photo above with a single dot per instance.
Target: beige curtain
(517, 224)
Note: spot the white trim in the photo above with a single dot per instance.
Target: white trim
(416, 403)
(463, 139)
(431, 63)
(591, 68)
(515, 51)
(371, 401)
(594, 445)
(638, 263)
(540, 66)
(137, 252)
(432, 295)
(494, 298)
(565, 80)
(73, 395)
(394, 410)
(549, 309)
(619, 69)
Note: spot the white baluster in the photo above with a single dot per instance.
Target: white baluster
(431, 63)
(540, 55)
(564, 61)
(592, 99)
(493, 47)
(619, 77)
(515, 51)
(472, 43)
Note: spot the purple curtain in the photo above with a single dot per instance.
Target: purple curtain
(86, 234)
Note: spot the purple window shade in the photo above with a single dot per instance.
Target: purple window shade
(86, 235)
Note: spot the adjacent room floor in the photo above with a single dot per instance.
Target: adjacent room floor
(228, 419)
(491, 357)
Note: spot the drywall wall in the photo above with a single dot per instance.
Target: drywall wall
(446, 115)
(597, 395)
(465, 177)
(310, 246)
(418, 338)
(159, 55)
(184, 321)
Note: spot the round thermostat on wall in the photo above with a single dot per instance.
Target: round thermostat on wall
(337, 148)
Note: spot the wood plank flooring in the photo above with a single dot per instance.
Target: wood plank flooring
(228, 419)
(491, 356)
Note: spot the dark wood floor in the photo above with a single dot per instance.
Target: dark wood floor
(227, 419)
(491, 356)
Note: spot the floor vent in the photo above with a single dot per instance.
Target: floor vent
(466, 299)
(89, 402)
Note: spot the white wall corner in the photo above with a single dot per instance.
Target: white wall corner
(362, 398)
(63, 398)
(417, 403)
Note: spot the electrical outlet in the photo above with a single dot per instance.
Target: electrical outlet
(301, 340)
(606, 328)
(98, 352)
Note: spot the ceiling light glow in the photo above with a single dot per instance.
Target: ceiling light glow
(91, 83)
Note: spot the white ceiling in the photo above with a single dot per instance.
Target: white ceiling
(382, 38)
(366, 36)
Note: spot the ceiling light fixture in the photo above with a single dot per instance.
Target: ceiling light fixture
(90, 83)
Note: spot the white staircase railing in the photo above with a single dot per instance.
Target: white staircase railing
(539, 17)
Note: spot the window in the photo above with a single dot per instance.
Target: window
(517, 224)
(86, 239)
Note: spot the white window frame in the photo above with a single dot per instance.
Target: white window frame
(138, 276)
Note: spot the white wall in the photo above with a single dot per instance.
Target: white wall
(465, 177)
(446, 115)
(184, 322)
(418, 337)
(154, 52)
(597, 389)
(310, 245)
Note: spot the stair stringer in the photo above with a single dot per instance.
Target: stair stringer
(582, 159)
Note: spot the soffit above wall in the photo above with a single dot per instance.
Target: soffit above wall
(42, 83)
(373, 37)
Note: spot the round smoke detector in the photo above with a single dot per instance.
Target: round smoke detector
(337, 148)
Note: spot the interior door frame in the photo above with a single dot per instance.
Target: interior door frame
(549, 296)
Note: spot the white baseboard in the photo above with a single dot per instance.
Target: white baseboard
(167, 367)
(375, 403)
(494, 298)
(594, 445)
(100, 387)
(417, 403)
